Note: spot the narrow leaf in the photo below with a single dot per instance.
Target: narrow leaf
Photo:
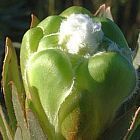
(134, 125)
(136, 60)
(6, 78)
(11, 73)
(19, 112)
(18, 134)
(34, 126)
(4, 128)
(36, 107)
(119, 127)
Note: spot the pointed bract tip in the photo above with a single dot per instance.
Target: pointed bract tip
(34, 21)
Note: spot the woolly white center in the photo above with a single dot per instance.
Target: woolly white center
(80, 31)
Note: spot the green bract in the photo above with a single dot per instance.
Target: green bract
(77, 71)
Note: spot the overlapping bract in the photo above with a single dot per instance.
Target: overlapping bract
(77, 96)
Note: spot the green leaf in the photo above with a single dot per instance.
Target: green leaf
(36, 107)
(4, 127)
(36, 131)
(19, 112)
(51, 24)
(119, 126)
(48, 42)
(46, 69)
(75, 10)
(136, 134)
(110, 72)
(29, 45)
(112, 31)
(3, 130)
(10, 72)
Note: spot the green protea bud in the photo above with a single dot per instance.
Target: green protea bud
(79, 68)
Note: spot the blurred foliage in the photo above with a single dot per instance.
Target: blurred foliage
(15, 14)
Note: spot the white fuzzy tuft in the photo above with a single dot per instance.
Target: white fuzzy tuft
(80, 31)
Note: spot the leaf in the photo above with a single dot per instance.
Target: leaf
(18, 134)
(36, 107)
(19, 112)
(14, 70)
(4, 127)
(36, 131)
(104, 11)
(75, 10)
(42, 71)
(11, 73)
(134, 125)
(9, 62)
(29, 45)
(51, 24)
(119, 127)
(136, 60)
(136, 134)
